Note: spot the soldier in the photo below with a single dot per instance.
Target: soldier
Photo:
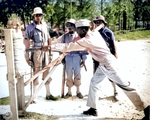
(97, 48)
(109, 38)
(39, 34)
(73, 61)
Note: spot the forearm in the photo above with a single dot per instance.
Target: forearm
(64, 47)
(27, 43)
(49, 41)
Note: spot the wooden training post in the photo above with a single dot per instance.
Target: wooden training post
(54, 64)
(20, 94)
(63, 82)
(11, 73)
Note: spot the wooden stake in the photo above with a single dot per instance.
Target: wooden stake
(63, 82)
(45, 80)
(20, 93)
(135, 99)
(11, 73)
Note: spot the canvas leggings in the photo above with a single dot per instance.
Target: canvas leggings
(40, 60)
(95, 85)
(73, 68)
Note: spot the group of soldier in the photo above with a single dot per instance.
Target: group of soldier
(83, 37)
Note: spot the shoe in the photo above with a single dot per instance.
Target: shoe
(33, 102)
(80, 96)
(67, 96)
(91, 111)
(115, 96)
(51, 97)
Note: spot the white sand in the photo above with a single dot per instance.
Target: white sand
(134, 59)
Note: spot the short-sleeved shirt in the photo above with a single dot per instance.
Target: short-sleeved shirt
(109, 38)
(38, 33)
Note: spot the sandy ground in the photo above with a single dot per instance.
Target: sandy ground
(134, 59)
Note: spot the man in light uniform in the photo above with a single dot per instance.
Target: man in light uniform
(109, 38)
(39, 34)
(73, 61)
(108, 67)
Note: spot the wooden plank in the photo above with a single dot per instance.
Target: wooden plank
(39, 88)
(11, 73)
(45, 68)
(135, 99)
(45, 80)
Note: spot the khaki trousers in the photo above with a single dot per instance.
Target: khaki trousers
(40, 59)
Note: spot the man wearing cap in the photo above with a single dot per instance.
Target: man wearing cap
(39, 34)
(73, 61)
(109, 38)
(108, 66)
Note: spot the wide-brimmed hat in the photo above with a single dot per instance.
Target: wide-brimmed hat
(70, 21)
(37, 10)
(82, 23)
(100, 17)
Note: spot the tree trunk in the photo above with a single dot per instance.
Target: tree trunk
(64, 18)
(101, 7)
(124, 20)
(119, 17)
(135, 24)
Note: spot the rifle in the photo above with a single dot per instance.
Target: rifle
(32, 49)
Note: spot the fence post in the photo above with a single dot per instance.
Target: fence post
(11, 73)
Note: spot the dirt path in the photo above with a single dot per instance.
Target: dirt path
(134, 58)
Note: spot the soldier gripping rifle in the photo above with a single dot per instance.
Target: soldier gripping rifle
(38, 32)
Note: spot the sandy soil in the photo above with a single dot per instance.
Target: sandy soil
(134, 59)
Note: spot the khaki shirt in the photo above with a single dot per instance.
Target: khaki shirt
(38, 33)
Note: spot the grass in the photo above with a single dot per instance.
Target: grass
(29, 115)
(4, 101)
(37, 116)
(134, 35)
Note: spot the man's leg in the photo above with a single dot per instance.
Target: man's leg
(77, 74)
(117, 77)
(93, 95)
(45, 62)
(115, 91)
(69, 73)
(37, 58)
(95, 85)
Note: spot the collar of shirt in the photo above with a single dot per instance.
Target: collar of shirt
(34, 25)
(70, 34)
(102, 29)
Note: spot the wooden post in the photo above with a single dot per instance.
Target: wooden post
(63, 82)
(20, 93)
(11, 73)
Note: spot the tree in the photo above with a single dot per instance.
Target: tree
(117, 12)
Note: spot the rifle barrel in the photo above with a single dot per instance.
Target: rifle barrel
(34, 48)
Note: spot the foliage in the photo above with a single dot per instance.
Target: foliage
(115, 12)
(56, 12)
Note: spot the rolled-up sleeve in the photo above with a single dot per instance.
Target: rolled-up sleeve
(26, 34)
